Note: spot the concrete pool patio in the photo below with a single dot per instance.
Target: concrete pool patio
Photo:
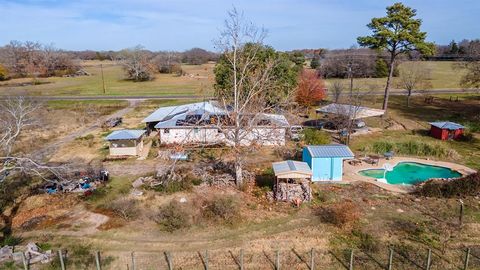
(351, 171)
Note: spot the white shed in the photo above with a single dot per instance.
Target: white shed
(126, 142)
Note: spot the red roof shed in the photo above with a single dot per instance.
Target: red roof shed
(446, 130)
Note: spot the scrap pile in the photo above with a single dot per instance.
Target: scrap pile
(219, 174)
(290, 192)
(112, 122)
(80, 183)
(33, 254)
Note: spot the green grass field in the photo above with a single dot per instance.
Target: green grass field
(443, 75)
(198, 81)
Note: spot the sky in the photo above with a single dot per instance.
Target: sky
(182, 24)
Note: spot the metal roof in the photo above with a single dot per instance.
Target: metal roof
(290, 166)
(351, 111)
(167, 113)
(330, 151)
(447, 125)
(125, 134)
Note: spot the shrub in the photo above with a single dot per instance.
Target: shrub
(172, 186)
(342, 215)
(366, 242)
(172, 217)
(124, 207)
(315, 137)
(3, 73)
(465, 186)
(412, 148)
(224, 209)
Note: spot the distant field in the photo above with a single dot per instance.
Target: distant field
(443, 76)
(198, 81)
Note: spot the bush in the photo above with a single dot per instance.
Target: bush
(342, 215)
(366, 242)
(172, 217)
(224, 209)
(412, 148)
(465, 186)
(173, 186)
(79, 257)
(315, 137)
(124, 207)
(3, 73)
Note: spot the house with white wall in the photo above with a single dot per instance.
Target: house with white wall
(198, 123)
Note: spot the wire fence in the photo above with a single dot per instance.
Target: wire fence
(349, 259)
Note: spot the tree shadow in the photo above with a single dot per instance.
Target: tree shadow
(300, 257)
(338, 259)
(235, 260)
(270, 260)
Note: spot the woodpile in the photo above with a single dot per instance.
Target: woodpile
(291, 192)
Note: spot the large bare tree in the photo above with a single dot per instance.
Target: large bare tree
(414, 77)
(246, 99)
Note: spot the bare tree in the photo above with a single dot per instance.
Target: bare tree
(17, 115)
(136, 62)
(246, 101)
(336, 89)
(414, 77)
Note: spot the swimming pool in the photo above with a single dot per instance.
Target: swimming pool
(410, 173)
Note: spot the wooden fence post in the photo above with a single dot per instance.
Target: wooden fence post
(312, 259)
(460, 217)
(241, 259)
(169, 260)
(350, 267)
(429, 259)
(206, 259)
(25, 263)
(277, 260)
(390, 259)
(133, 260)
(60, 256)
(467, 258)
(97, 260)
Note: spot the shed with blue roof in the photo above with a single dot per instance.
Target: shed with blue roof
(126, 142)
(446, 130)
(326, 161)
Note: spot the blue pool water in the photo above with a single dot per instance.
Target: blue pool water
(410, 173)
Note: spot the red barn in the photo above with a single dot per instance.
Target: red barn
(446, 130)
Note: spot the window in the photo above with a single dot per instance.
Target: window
(166, 131)
(195, 130)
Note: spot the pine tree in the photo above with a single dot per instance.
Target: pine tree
(315, 63)
(381, 68)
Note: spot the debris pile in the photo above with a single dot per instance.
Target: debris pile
(112, 122)
(290, 192)
(219, 174)
(33, 254)
(79, 184)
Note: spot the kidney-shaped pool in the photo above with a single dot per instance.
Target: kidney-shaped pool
(410, 173)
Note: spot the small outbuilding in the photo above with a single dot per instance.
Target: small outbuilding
(326, 161)
(446, 130)
(126, 142)
(292, 182)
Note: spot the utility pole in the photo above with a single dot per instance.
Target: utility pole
(103, 80)
(350, 75)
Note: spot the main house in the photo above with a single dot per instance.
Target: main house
(206, 123)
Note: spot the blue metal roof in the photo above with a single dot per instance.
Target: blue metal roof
(125, 134)
(330, 151)
(291, 166)
(447, 125)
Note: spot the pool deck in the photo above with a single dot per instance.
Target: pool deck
(351, 171)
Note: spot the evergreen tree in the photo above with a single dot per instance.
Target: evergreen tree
(453, 47)
(381, 68)
(397, 33)
(315, 63)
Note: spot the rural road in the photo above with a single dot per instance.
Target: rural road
(170, 97)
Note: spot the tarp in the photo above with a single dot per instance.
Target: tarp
(351, 111)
